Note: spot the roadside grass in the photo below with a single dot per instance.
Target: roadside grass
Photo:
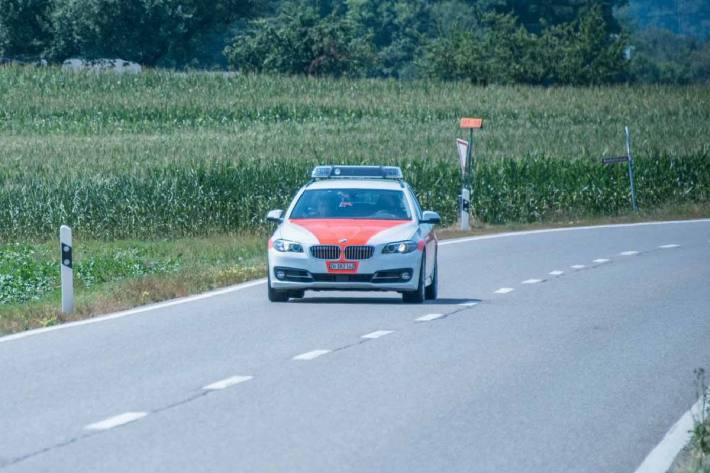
(695, 457)
(111, 276)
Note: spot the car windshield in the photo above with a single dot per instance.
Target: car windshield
(376, 204)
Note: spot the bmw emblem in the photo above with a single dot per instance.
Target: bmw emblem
(343, 240)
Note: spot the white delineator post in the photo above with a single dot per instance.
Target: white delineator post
(65, 248)
(465, 198)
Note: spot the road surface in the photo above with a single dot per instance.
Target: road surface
(548, 352)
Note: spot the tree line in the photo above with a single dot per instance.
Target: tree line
(545, 42)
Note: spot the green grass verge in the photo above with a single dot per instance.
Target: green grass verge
(117, 275)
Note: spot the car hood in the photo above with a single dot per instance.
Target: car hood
(354, 231)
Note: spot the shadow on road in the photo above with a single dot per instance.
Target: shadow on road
(378, 301)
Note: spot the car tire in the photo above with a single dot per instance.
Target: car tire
(432, 290)
(417, 297)
(297, 294)
(274, 294)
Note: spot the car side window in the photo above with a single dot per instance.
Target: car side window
(416, 202)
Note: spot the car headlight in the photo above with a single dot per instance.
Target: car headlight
(406, 246)
(286, 246)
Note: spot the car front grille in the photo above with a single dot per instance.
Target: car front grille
(325, 251)
(359, 252)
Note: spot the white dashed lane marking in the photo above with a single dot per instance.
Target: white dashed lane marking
(225, 383)
(469, 303)
(556, 272)
(532, 281)
(629, 253)
(116, 421)
(578, 266)
(601, 260)
(429, 317)
(377, 334)
(504, 290)
(310, 355)
(670, 245)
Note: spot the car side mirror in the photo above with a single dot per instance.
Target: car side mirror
(275, 216)
(430, 217)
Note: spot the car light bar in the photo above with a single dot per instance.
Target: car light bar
(354, 172)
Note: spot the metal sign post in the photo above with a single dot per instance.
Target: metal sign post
(467, 168)
(67, 276)
(631, 169)
(629, 159)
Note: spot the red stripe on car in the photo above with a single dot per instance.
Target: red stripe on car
(356, 231)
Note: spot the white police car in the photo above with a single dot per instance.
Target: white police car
(357, 228)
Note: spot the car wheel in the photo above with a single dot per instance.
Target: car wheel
(432, 290)
(297, 294)
(275, 295)
(417, 297)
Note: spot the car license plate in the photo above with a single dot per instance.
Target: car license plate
(339, 266)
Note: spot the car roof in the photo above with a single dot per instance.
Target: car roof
(356, 184)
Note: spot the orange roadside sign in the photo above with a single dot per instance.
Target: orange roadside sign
(472, 123)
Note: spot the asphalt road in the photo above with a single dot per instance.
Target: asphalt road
(581, 371)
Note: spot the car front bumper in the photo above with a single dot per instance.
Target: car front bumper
(378, 273)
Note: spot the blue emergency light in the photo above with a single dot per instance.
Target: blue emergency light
(357, 172)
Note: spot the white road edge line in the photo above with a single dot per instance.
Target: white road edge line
(578, 266)
(455, 241)
(503, 290)
(670, 245)
(629, 253)
(377, 334)
(659, 460)
(225, 383)
(429, 317)
(601, 260)
(247, 285)
(310, 355)
(532, 281)
(116, 421)
(556, 272)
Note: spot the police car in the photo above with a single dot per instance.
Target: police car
(357, 228)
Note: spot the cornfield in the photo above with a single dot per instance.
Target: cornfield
(166, 154)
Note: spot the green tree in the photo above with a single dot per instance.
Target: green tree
(536, 15)
(153, 32)
(501, 51)
(299, 41)
(397, 29)
(24, 27)
(590, 53)
(660, 56)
